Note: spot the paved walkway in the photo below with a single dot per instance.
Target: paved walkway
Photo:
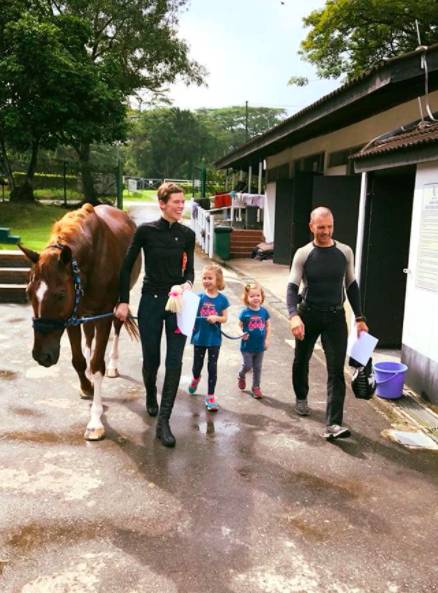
(251, 500)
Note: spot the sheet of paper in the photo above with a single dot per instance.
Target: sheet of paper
(187, 317)
(361, 348)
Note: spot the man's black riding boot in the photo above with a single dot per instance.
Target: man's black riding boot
(170, 388)
(150, 379)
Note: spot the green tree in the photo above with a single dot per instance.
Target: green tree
(229, 124)
(45, 86)
(67, 68)
(348, 37)
(135, 44)
(169, 142)
(166, 142)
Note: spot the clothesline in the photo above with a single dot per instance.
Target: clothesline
(241, 199)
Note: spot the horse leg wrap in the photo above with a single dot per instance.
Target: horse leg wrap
(170, 388)
(150, 379)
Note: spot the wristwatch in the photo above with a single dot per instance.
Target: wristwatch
(361, 318)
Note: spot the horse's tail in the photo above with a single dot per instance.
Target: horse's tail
(132, 329)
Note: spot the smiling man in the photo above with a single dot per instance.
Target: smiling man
(325, 269)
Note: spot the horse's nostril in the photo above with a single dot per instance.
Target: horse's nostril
(44, 358)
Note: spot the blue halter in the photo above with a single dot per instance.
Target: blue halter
(45, 325)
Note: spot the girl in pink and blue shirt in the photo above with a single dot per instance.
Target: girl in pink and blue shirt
(256, 326)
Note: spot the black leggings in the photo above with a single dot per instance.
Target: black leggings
(198, 363)
(332, 328)
(151, 316)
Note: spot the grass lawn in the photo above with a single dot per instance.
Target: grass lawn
(144, 195)
(32, 222)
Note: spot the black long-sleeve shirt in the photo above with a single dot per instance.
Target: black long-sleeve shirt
(325, 273)
(168, 255)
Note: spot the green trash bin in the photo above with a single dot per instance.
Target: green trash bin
(222, 241)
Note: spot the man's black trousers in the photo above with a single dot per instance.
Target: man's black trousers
(332, 327)
(151, 316)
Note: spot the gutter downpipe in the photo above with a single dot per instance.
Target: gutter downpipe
(360, 233)
(361, 226)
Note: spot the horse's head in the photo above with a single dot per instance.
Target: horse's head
(51, 294)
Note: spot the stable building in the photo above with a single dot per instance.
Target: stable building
(368, 151)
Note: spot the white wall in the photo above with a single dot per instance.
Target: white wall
(420, 328)
(269, 213)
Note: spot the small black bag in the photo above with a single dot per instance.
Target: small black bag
(363, 382)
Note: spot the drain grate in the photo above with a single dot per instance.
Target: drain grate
(422, 415)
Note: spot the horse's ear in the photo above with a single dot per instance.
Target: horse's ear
(33, 256)
(65, 255)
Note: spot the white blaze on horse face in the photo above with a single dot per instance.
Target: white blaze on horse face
(40, 293)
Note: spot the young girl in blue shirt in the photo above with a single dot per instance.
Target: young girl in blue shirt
(207, 335)
(256, 325)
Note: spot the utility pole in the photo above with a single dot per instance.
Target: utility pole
(246, 120)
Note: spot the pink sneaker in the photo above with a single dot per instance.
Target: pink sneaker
(211, 403)
(256, 392)
(193, 385)
(241, 383)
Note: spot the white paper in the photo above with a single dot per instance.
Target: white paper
(187, 317)
(361, 348)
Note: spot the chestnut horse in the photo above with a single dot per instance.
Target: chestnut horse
(74, 281)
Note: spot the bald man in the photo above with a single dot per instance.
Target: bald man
(325, 269)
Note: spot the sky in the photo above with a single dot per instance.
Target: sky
(250, 49)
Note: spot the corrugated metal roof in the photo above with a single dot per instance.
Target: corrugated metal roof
(422, 133)
(288, 126)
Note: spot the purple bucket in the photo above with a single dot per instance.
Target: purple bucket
(390, 378)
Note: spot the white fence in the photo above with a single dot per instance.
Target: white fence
(203, 225)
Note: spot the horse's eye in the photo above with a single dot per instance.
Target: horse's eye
(59, 296)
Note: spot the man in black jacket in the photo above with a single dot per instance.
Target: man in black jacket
(325, 268)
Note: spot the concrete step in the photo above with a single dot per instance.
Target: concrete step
(12, 258)
(13, 293)
(14, 275)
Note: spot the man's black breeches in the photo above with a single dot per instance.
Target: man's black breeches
(151, 316)
(332, 327)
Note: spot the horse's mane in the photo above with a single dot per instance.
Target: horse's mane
(70, 225)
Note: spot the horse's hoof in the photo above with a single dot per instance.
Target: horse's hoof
(112, 373)
(94, 434)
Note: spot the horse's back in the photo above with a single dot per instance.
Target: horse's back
(117, 220)
(123, 229)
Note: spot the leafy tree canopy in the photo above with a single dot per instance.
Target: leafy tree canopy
(68, 66)
(348, 37)
(170, 142)
(136, 39)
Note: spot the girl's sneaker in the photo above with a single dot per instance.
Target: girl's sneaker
(256, 392)
(194, 385)
(211, 403)
(241, 383)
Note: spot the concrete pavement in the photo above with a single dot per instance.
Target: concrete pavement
(251, 500)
